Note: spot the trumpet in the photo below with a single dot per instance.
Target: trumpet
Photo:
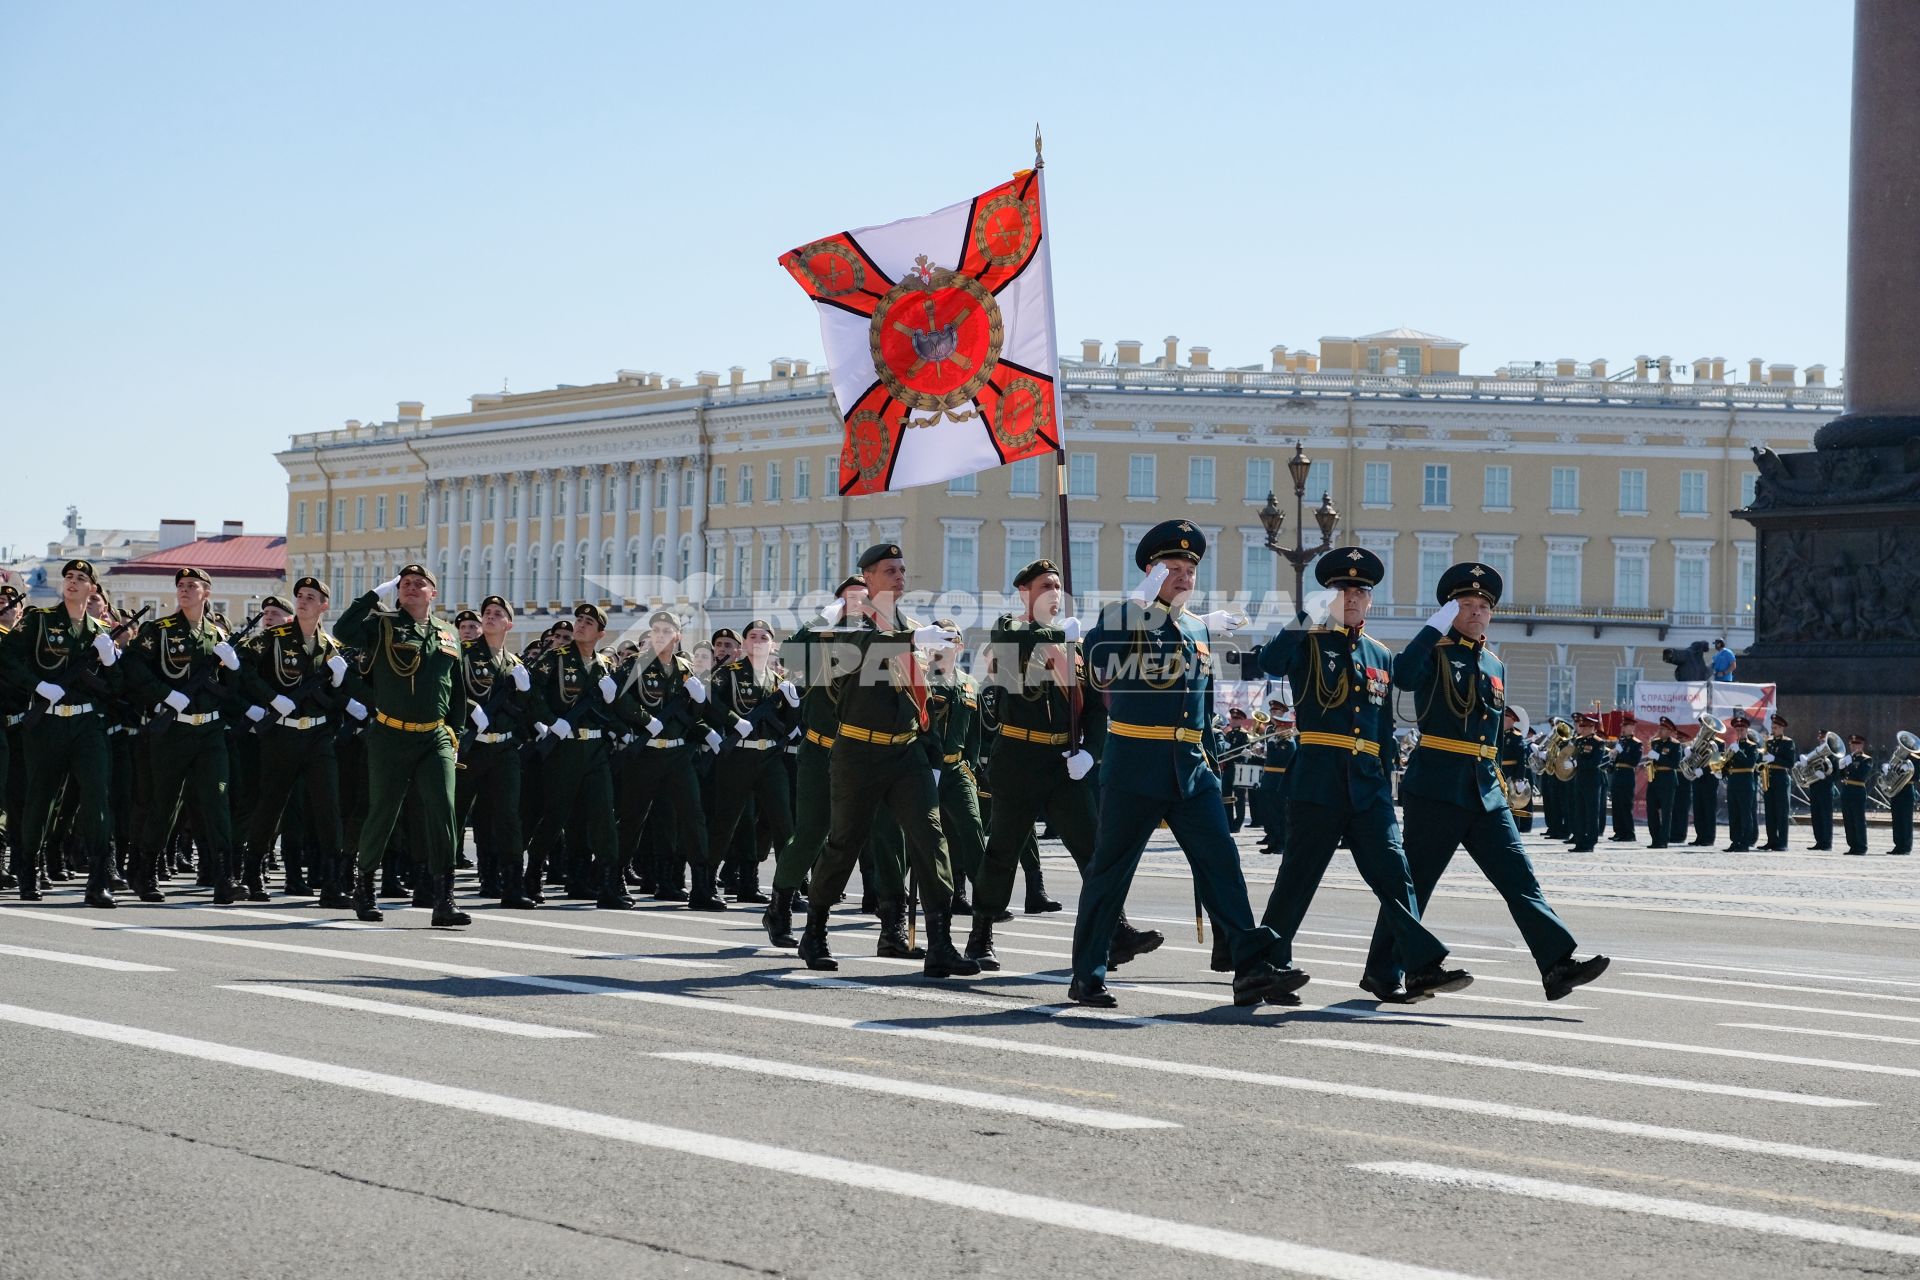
(1704, 753)
(1897, 774)
(1818, 764)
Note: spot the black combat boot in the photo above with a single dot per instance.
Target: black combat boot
(1038, 903)
(513, 894)
(749, 885)
(893, 942)
(28, 869)
(673, 881)
(426, 890)
(256, 880)
(145, 883)
(218, 868)
(943, 961)
(961, 907)
(705, 896)
(334, 871)
(365, 905)
(777, 919)
(980, 945)
(1129, 942)
(813, 942)
(100, 881)
(613, 890)
(445, 914)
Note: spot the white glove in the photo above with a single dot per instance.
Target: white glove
(1078, 763)
(51, 692)
(1846, 760)
(338, 666)
(479, 717)
(103, 645)
(1768, 757)
(228, 658)
(608, 688)
(934, 638)
(177, 700)
(388, 589)
(1072, 628)
(1149, 589)
(1443, 617)
(256, 714)
(539, 731)
(936, 777)
(654, 727)
(835, 611)
(1224, 620)
(281, 703)
(791, 694)
(561, 729)
(356, 708)
(1318, 605)
(521, 680)
(742, 727)
(713, 740)
(696, 689)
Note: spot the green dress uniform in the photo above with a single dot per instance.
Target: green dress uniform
(174, 660)
(1662, 785)
(1453, 793)
(1742, 823)
(809, 654)
(670, 711)
(420, 711)
(1620, 784)
(488, 780)
(573, 695)
(1901, 807)
(12, 712)
(1276, 764)
(748, 775)
(298, 681)
(1706, 807)
(1820, 798)
(1514, 769)
(1856, 775)
(1776, 790)
(1589, 783)
(49, 650)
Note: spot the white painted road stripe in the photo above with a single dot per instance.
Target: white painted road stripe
(1775, 986)
(532, 1031)
(1584, 1073)
(1004, 1005)
(947, 1192)
(1759, 1004)
(1814, 1031)
(1655, 1206)
(91, 962)
(927, 1092)
(1467, 1106)
(579, 953)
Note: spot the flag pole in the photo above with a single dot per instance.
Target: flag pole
(1059, 427)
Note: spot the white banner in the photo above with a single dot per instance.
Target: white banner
(1684, 700)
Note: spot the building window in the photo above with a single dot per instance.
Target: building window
(831, 479)
(1022, 550)
(1381, 544)
(1436, 485)
(1259, 479)
(802, 479)
(660, 489)
(1256, 569)
(742, 570)
(400, 512)
(962, 560)
(1497, 555)
(1376, 484)
(686, 500)
(967, 484)
(359, 581)
(493, 497)
(719, 486)
(1200, 480)
(536, 497)
(1633, 491)
(830, 561)
(1748, 481)
(1559, 691)
(380, 511)
(1205, 575)
(1630, 578)
(1624, 680)
(299, 517)
(1496, 489)
(339, 515)
(745, 490)
(1563, 576)
(1023, 478)
(1690, 584)
(773, 482)
(1410, 361)
(769, 567)
(1433, 562)
(1319, 481)
(1693, 493)
(1564, 494)
(340, 585)
(1140, 475)
(1083, 555)
(359, 516)
(1080, 476)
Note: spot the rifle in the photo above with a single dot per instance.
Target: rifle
(84, 669)
(769, 707)
(201, 676)
(494, 708)
(600, 716)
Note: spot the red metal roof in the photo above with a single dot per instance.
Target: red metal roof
(246, 555)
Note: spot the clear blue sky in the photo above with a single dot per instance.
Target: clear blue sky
(228, 223)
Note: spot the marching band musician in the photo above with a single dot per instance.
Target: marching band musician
(1706, 807)
(1620, 779)
(1453, 792)
(1742, 759)
(1856, 775)
(1776, 792)
(1821, 793)
(1901, 803)
(1589, 782)
(1271, 798)
(1663, 782)
(1514, 768)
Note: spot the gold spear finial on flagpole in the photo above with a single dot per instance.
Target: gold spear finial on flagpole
(1039, 162)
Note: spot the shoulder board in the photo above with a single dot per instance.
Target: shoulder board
(284, 630)
(1443, 640)
(684, 663)
(1008, 620)
(466, 645)
(43, 608)
(171, 620)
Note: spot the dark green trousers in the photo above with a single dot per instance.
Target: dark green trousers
(52, 749)
(666, 774)
(399, 763)
(1742, 823)
(1853, 816)
(579, 801)
(1660, 808)
(812, 816)
(487, 793)
(1778, 800)
(744, 778)
(865, 779)
(1706, 809)
(189, 764)
(302, 760)
(1029, 785)
(1373, 836)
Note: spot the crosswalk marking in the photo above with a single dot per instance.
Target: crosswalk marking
(579, 953)
(89, 962)
(1816, 1031)
(531, 1030)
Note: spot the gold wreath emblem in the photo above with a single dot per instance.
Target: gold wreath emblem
(936, 343)
(999, 243)
(841, 273)
(1027, 398)
(868, 449)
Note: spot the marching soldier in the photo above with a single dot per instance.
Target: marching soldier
(1742, 758)
(671, 710)
(1453, 792)
(55, 652)
(498, 689)
(1776, 791)
(293, 674)
(1620, 782)
(1662, 782)
(759, 707)
(1152, 660)
(420, 710)
(1513, 767)
(572, 689)
(884, 756)
(1706, 807)
(1589, 782)
(1856, 775)
(1272, 796)
(183, 666)
(953, 714)
(12, 711)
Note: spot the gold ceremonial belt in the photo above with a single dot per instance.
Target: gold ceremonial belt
(819, 739)
(664, 743)
(70, 709)
(1458, 746)
(1151, 732)
(407, 726)
(1366, 746)
(1018, 734)
(304, 722)
(878, 739)
(1274, 768)
(1739, 771)
(952, 759)
(1661, 768)
(1851, 783)
(491, 738)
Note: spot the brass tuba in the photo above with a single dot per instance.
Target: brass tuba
(1897, 773)
(1559, 749)
(1704, 753)
(1818, 764)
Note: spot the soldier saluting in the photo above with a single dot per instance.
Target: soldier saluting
(1453, 793)
(413, 667)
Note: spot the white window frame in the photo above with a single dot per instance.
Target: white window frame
(951, 529)
(966, 486)
(1506, 487)
(1556, 504)
(1257, 489)
(1637, 552)
(1745, 581)
(1319, 481)
(1150, 464)
(1381, 542)
(802, 479)
(1436, 486)
(1091, 463)
(1253, 542)
(774, 488)
(1688, 477)
(1023, 478)
(1021, 531)
(1372, 497)
(1434, 547)
(1633, 503)
(1496, 551)
(1086, 572)
(1202, 473)
(1558, 547)
(1562, 689)
(1694, 551)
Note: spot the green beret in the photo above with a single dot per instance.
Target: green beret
(185, 572)
(880, 551)
(1034, 570)
(275, 602)
(80, 566)
(465, 615)
(418, 571)
(594, 611)
(499, 600)
(315, 584)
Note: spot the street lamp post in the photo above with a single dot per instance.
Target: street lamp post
(1272, 519)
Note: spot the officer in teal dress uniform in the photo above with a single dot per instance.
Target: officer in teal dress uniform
(1338, 788)
(1150, 658)
(1452, 791)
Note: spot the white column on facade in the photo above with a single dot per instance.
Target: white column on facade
(672, 568)
(593, 574)
(517, 583)
(570, 538)
(433, 524)
(697, 562)
(620, 487)
(644, 470)
(497, 580)
(542, 575)
(477, 489)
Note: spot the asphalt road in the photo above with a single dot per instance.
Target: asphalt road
(278, 1091)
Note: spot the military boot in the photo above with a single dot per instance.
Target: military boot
(1129, 942)
(1038, 903)
(613, 890)
(335, 875)
(777, 919)
(100, 881)
(980, 945)
(893, 942)
(365, 905)
(705, 896)
(943, 961)
(673, 881)
(813, 942)
(145, 883)
(445, 914)
(749, 885)
(256, 878)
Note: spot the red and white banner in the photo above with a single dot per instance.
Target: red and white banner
(1683, 701)
(940, 337)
